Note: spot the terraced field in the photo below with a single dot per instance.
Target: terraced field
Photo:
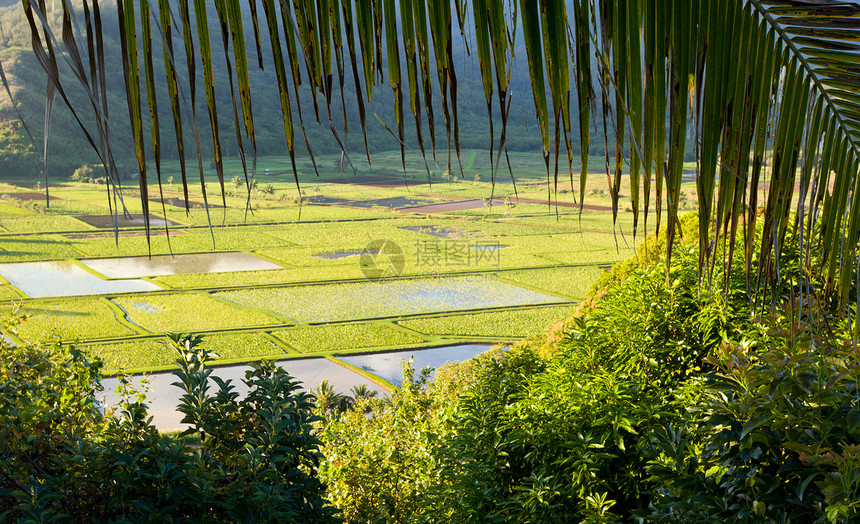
(302, 275)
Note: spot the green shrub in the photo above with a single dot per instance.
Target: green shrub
(559, 439)
(62, 459)
(88, 173)
(776, 438)
(382, 456)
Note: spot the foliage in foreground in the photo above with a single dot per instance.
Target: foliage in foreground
(62, 459)
(661, 403)
(776, 437)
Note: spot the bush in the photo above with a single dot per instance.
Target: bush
(559, 438)
(61, 458)
(18, 158)
(665, 400)
(382, 456)
(87, 173)
(777, 437)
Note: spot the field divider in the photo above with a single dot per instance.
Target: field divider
(24, 296)
(286, 320)
(89, 270)
(162, 285)
(379, 381)
(254, 253)
(288, 350)
(397, 327)
(121, 316)
(270, 327)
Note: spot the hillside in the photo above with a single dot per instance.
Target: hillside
(68, 149)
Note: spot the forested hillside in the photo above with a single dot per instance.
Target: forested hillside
(68, 149)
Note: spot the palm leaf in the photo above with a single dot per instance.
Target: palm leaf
(166, 28)
(128, 39)
(776, 105)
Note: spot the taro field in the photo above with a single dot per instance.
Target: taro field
(346, 265)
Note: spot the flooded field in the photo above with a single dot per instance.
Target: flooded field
(108, 221)
(62, 278)
(389, 365)
(132, 267)
(162, 396)
(337, 302)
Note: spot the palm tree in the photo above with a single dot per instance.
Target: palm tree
(329, 400)
(764, 92)
(361, 391)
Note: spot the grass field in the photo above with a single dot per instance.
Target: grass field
(509, 262)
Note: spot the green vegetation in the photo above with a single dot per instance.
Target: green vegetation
(345, 336)
(679, 392)
(68, 319)
(21, 249)
(8, 293)
(528, 239)
(188, 312)
(39, 224)
(501, 325)
(255, 459)
(125, 356)
(570, 282)
(244, 346)
(658, 402)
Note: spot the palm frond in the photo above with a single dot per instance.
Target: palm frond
(762, 92)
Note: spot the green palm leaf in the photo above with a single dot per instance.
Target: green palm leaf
(772, 112)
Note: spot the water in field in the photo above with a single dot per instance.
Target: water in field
(351, 301)
(131, 267)
(389, 365)
(108, 221)
(64, 278)
(162, 397)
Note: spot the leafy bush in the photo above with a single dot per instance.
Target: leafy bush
(776, 438)
(382, 456)
(87, 173)
(62, 459)
(663, 401)
(559, 438)
(18, 157)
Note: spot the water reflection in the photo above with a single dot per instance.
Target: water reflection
(390, 365)
(131, 267)
(163, 397)
(350, 301)
(63, 278)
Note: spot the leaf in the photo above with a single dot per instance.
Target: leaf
(853, 419)
(801, 489)
(753, 424)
